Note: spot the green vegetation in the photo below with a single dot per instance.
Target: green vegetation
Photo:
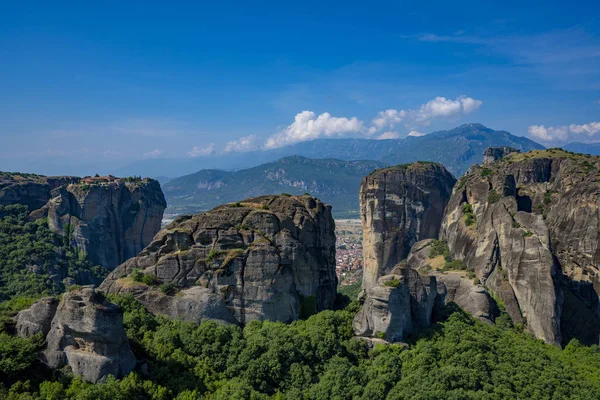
(32, 257)
(317, 358)
(467, 210)
(494, 197)
(527, 234)
(439, 248)
(392, 283)
(147, 279)
(214, 254)
(462, 181)
(351, 291)
(486, 172)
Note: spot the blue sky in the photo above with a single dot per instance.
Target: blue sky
(111, 82)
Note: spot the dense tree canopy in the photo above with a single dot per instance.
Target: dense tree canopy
(317, 358)
(34, 260)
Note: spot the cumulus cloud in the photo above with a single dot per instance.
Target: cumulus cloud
(246, 143)
(562, 133)
(308, 126)
(389, 135)
(440, 107)
(202, 151)
(153, 153)
(416, 134)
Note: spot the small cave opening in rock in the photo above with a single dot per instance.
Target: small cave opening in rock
(523, 203)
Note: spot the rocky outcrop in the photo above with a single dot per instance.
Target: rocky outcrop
(400, 304)
(31, 190)
(492, 154)
(110, 222)
(37, 319)
(86, 333)
(269, 257)
(400, 206)
(528, 225)
(455, 286)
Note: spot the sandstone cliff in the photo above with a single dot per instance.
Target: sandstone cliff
(31, 190)
(528, 224)
(399, 304)
(84, 331)
(269, 257)
(111, 222)
(399, 206)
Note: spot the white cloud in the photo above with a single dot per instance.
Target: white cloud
(201, 152)
(307, 126)
(246, 143)
(440, 107)
(389, 135)
(153, 153)
(590, 129)
(388, 118)
(416, 134)
(563, 133)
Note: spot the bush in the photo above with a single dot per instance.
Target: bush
(494, 197)
(392, 283)
(169, 288)
(439, 248)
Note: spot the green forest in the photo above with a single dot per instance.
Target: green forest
(315, 358)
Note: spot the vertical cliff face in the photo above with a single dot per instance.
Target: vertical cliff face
(528, 225)
(269, 257)
(110, 222)
(31, 190)
(400, 206)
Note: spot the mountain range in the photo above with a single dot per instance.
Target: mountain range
(336, 182)
(456, 149)
(328, 168)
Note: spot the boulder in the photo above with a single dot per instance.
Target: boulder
(37, 319)
(269, 257)
(400, 304)
(400, 206)
(87, 334)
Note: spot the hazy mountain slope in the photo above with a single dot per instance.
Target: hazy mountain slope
(585, 148)
(336, 182)
(456, 149)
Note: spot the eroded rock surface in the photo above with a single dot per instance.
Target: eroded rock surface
(111, 222)
(84, 331)
(31, 190)
(37, 319)
(269, 257)
(455, 286)
(528, 224)
(400, 304)
(492, 154)
(400, 206)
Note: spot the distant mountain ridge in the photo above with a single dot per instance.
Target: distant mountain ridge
(585, 148)
(335, 182)
(456, 149)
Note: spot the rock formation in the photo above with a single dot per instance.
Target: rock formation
(456, 286)
(492, 154)
(37, 319)
(111, 222)
(399, 206)
(86, 333)
(400, 304)
(528, 224)
(269, 257)
(31, 190)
